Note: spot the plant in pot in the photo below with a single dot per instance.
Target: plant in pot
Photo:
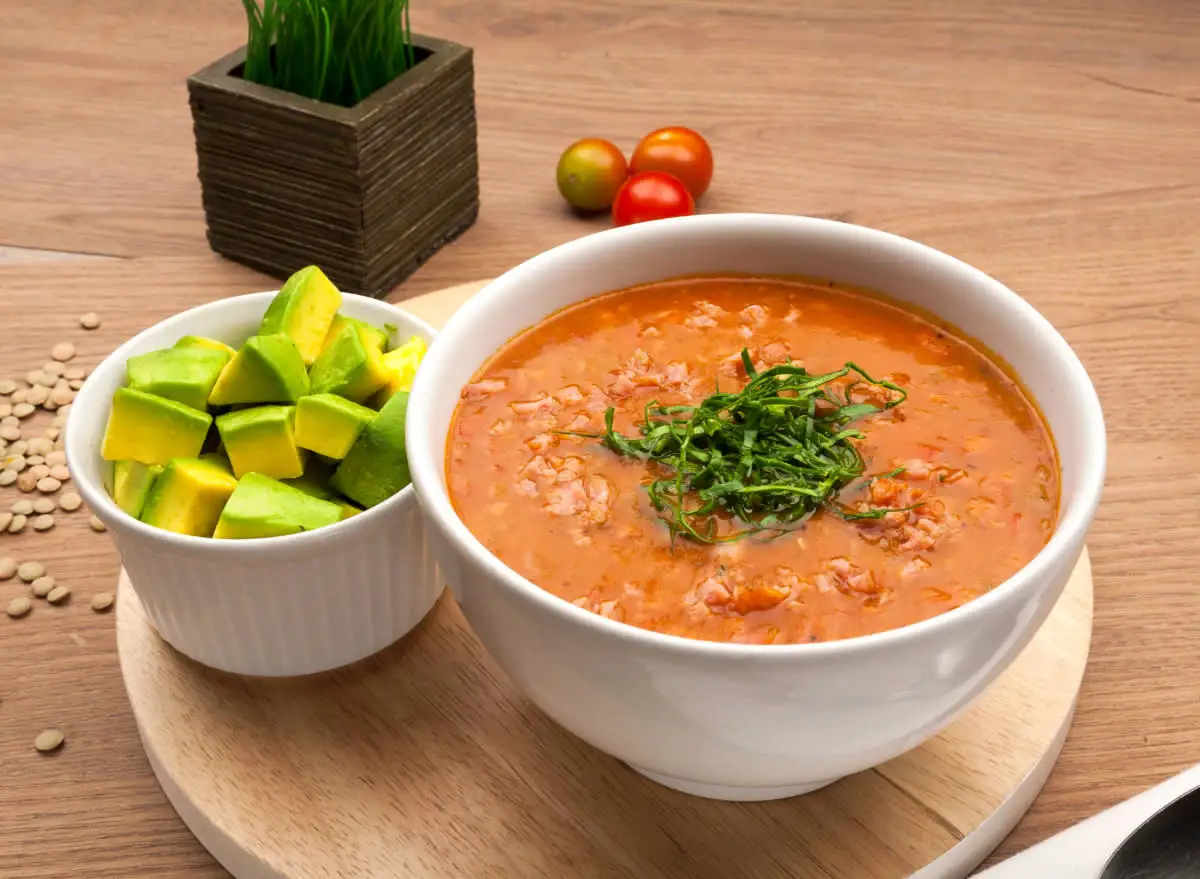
(336, 137)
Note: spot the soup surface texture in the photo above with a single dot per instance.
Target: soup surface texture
(976, 499)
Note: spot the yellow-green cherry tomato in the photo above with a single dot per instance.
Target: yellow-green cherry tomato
(590, 171)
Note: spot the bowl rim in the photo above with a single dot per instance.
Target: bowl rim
(1070, 529)
(98, 499)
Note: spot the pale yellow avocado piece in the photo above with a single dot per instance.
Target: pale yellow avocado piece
(328, 424)
(131, 485)
(266, 369)
(351, 364)
(402, 366)
(204, 342)
(188, 496)
(262, 440)
(303, 309)
(349, 510)
(152, 430)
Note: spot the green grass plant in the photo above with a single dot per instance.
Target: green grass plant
(334, 51)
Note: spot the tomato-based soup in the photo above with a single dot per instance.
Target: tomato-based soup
(965, 464)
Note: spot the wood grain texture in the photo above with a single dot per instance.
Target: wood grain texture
(424, 761)
(1052, 143)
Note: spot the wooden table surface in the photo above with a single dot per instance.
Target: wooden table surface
(1053, 143)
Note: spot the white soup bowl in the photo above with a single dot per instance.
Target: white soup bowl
(735, 721)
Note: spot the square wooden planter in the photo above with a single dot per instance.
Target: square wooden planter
(367, 192)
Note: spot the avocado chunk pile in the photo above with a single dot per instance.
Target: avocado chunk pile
(299, 427)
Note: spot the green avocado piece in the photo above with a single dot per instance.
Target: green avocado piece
(376, 467)
(351, 364)
(328, 424)
(152, 430)
(131, 486)
(265, 507)
(303, 309)
(311, 487)
(267, 369)
(188, 496)
(185, 375)
(206, 344)
(262, 440)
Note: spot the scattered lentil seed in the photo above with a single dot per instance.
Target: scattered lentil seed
(8, 477)
(48, 485)
(19, 606)
(20, 447)
(20, 395)
(7, 386)
(17, 525)
(39, 471)
(52, 433)
(5, 521)
(43, 523)
(44, 505)
(27, 482)
(49, 405)
(45, 380)
(49, 740)
(33, 376)
(8, 568)
(63, 351)
(30, 571)
(53, 367)
(15, 462)
(23, 410)
(53, 458)
(38, 395)
(60, 472)
(75, 384)
(43, 585)
(39, 446)
(61, 395)
(34, 460)
(90, 321)
(96, 524)
(10, 433)
(102, 601)
(21, 508)
(70, 501)
(6, 409)
(58, 595)
(74, 371)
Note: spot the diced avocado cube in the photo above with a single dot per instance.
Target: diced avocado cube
(132, 482)
(379, 337)
(328, 424)
(401, 364)
(188, 496)
(185, 375)
(376, 466)
(267, 369)
(303, 309)
(205, 344)
(262, 440)
(265, 507)
(152, 430)
(311, 487)
(351, 365)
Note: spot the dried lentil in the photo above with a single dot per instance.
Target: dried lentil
(43, 523)
(48, 485)
(58, 595)
(70, 501)
(43, 585)
(49, 740)
(63, 351)
(19, 606)
(102, 601)
(89, 321)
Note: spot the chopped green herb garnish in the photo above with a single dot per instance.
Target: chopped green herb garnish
(769, 455)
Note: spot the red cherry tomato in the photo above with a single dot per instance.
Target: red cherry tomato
(678, 151)
(651, 195)
(590, 171)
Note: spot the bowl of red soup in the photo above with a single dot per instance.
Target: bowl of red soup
(753, 502)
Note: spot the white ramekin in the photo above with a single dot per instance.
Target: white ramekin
(752, 722)
(276, 606)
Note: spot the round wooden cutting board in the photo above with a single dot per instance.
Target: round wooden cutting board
(424, 762)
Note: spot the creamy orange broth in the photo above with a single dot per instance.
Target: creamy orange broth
(572, 517)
